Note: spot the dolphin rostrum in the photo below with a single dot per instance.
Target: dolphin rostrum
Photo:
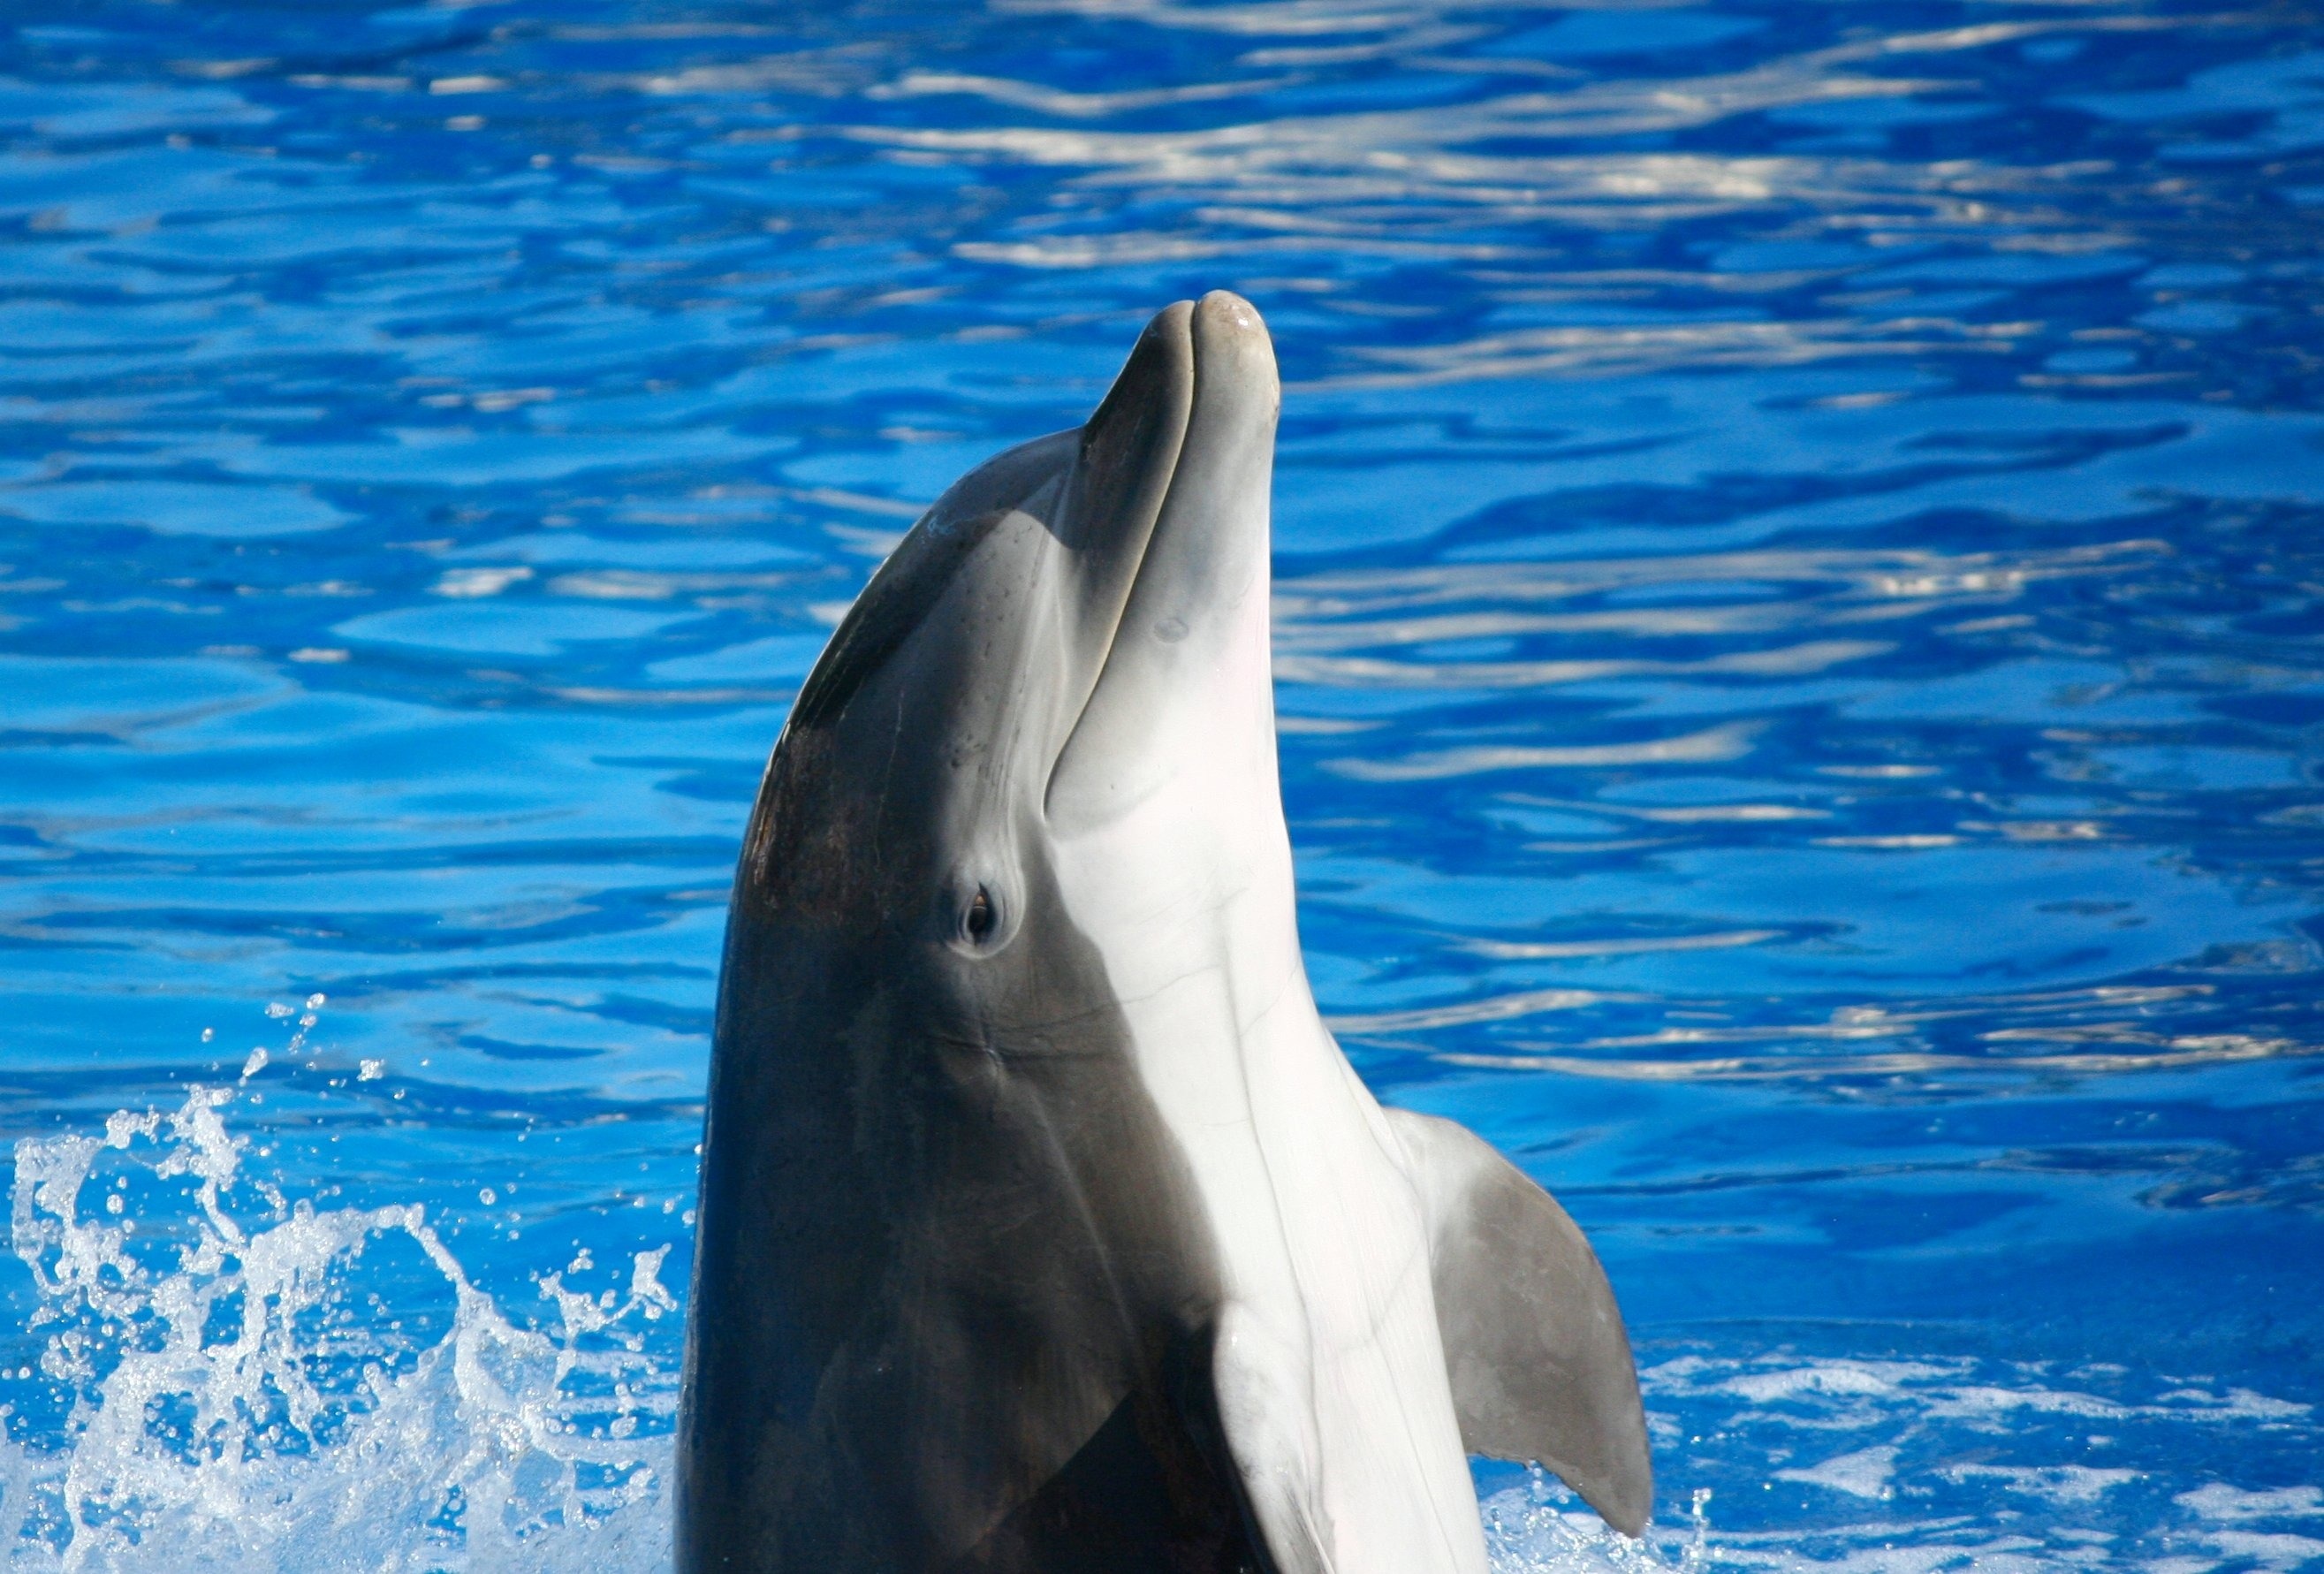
(1044, 1228)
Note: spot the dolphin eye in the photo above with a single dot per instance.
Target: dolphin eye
(979, 922)
(978, 918)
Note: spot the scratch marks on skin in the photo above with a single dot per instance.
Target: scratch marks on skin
(888, 767)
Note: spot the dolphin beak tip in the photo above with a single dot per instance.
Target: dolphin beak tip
(1225, 310)
(1230, 336)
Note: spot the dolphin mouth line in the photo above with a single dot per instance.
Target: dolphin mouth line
(1183, 328)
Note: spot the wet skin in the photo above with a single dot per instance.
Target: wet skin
(1043, 1225)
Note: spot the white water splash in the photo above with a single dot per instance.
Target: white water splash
(234, 1401)
(1542, 1528)
(227, 1378)
(233, 1395)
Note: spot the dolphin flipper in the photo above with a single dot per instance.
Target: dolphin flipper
(1534, 1344)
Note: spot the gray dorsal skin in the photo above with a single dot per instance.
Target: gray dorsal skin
(1044, 1228)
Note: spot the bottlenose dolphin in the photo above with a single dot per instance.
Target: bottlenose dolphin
(1043, 1228)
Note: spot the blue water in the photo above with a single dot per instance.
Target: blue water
(1800, 532)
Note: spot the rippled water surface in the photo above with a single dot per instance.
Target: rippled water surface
(1800, 528)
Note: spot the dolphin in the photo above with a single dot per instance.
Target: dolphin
(1044, 1228)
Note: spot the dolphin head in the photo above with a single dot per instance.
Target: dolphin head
(1069, 645)
(935, 1189)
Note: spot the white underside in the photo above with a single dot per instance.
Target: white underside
(1331, 1373)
